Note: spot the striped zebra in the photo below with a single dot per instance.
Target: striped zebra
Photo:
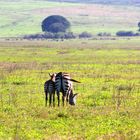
(63, 83)
(49, 89)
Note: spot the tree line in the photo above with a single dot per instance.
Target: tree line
(58, 27)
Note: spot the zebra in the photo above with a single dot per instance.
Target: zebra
(63, 83)
(49, 89)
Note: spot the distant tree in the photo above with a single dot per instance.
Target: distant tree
(55, 24)
(104, 34)
(56, 27)
(49, 35)
(85, 35)
(70, 35)
(126, 33)
(139, 26)
(59, 35)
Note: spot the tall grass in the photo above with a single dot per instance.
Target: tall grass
(107, 103)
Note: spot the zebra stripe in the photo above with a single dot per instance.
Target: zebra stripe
(63, 83)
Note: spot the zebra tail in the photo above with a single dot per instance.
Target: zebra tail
(72, 80)
(75, 81)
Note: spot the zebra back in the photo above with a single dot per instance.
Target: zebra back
(49, 86)
(62, 82)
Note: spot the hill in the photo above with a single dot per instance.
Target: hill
(25, 17)
(118, 2)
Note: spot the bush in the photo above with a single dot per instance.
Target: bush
(85, 35)
(126, 33)
(139, 26)
(104, 34)
(55, 24)
(70, 35)
(137, 34)
(34, 36)
(49, 35)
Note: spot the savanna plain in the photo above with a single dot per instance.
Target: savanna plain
(109, 93)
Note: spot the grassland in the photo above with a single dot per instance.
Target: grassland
(108, 101)
(24, 17)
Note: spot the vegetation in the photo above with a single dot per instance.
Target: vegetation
(85, 35)
(127, 33)
(25, 17)
(104, 34)
(55, 24)
(71, 35)
(107, 103)
(108, 68)
(48, 35)
(139, 26)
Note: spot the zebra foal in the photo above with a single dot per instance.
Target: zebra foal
(49, 89)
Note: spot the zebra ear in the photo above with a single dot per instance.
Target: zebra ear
(50, 74)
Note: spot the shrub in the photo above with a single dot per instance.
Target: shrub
(125, 33)
(139, 26)
(85, 35)
(137, 34)
(34, 36)
(104, 34)
(49, 35)
(69, 35)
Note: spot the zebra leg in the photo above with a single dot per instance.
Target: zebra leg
(67, 99)
(50, 99)
(46, 98)
(54, 99)
(58, 97)
(63, 100)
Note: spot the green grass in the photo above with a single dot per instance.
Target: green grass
(108, 101)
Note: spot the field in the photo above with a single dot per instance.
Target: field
(24, 17)
(109, 93)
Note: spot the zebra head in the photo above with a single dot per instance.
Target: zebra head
(53, 75)
(72, 98)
